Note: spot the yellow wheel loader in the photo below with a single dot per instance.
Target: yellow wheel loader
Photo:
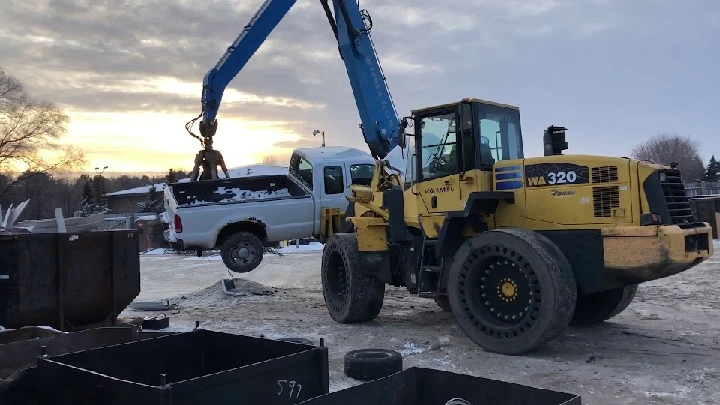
(516, 248)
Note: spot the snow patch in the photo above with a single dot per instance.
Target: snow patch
(236, 194)
(156, 251)
(310, 247)
(411, 348)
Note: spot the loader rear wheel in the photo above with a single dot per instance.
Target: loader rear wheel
(511, 290)
(242, 252)
(595, 308)
(350, 295)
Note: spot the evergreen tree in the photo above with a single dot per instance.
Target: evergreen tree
(153, 202)
(712, 173)
(87, 203)
(171, 177)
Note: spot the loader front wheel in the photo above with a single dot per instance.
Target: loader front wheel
(350, 294)
(443, 302)
(592, 309)
(242, 252)
(511, 290)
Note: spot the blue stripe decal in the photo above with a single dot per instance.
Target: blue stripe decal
(508, 185)
(507, 168)
(505, 176)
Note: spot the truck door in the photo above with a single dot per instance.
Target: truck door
(438, 159)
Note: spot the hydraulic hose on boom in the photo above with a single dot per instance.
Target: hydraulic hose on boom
(379, 121)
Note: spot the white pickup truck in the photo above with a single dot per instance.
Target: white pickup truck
(241, 215)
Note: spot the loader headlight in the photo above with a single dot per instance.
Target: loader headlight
(663, 177)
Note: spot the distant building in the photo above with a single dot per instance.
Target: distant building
(126, 201)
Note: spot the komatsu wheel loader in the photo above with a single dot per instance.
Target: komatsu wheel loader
(516, 248)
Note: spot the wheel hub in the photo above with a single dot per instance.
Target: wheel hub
(243, 252)
(507, 290)
(510, 283)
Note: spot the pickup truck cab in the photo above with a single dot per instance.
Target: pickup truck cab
(241, 215)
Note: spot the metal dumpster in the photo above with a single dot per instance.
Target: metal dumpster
(20, 350)
(706, 209)
(422, 386)
(198, 367)
(67, 280)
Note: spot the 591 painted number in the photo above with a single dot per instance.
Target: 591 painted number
(562, 177)
(292, 385)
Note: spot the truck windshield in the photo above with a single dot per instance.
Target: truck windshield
(362, 174)
(301, 169)
(500, 134)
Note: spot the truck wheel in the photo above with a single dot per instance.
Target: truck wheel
(242, 252)
(595, 308)
(511, 290)
(350, 296)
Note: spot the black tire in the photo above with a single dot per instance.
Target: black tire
(371, 364)
(592, 309)
(198, 252)
(242, 252)
(350, 296)
(492, 270)
(443, 302)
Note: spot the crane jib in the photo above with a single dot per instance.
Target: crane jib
(351, 27)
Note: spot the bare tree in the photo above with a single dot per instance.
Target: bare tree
(673, 148)
(269, 160)
(30, 130)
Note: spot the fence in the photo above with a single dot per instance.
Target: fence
(702, 188)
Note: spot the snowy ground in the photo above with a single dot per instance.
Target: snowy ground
(665, 349)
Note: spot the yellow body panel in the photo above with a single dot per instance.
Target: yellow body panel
(542, 206)
(650, 252)
(371, 235)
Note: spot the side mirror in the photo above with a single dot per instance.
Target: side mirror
(405, 123)
(402, 138)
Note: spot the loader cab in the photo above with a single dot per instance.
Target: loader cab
(471, 134)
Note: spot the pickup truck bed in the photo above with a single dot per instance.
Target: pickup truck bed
(238, 215)
(236, 190)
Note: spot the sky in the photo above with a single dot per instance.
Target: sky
(129, 72)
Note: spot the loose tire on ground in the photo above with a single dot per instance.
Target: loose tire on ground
(349, 295)
(592, 309)
(511, 290)
(242, 252)
(371, 364)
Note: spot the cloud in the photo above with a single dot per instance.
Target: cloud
(130, 72)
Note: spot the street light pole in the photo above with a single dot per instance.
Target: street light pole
(317, 131)
(101, 187)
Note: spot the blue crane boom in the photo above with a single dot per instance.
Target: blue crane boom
(351, 25)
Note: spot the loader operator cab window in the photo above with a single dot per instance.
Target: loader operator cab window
(438, 137)
(484, 133)
(499, 134)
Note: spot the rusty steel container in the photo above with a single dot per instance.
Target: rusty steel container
(67, 280)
